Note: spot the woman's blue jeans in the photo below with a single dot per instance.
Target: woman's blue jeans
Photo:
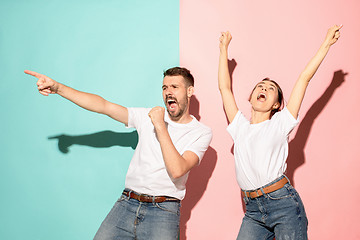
(131, 219)
(278, 214)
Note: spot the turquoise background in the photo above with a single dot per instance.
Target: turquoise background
(63, 188)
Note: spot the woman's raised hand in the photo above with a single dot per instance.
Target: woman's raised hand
(225, 39)
(333, 35)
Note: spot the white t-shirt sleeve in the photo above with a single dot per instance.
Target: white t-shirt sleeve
(287, 120)
(200, 145)
(136, 117)
(233, 127)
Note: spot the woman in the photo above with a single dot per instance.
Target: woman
(273, 207)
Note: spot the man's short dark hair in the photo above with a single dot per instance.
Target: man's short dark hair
(179, 71)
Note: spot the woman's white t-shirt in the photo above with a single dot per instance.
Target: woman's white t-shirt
(261, 149)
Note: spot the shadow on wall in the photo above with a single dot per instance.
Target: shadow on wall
(296, 156)
(102, 139)
(198, 178)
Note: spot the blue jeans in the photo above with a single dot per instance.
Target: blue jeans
(131, 219)
(278, 214)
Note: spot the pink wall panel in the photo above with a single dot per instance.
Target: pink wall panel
(276, 39)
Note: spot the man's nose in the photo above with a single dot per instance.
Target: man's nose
(168, 92)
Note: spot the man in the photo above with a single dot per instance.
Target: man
(170, 144)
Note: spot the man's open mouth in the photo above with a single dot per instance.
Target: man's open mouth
(171, 102)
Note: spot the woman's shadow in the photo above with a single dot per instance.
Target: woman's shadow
(297, 145)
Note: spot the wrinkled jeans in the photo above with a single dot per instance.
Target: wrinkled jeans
(131, 219)
(278, 214)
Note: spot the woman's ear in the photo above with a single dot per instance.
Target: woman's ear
(276, 105)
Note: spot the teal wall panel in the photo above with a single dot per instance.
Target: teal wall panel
(62, 167)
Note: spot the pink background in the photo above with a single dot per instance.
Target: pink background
(276, 39)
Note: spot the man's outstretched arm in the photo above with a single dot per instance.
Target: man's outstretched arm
(85, 100)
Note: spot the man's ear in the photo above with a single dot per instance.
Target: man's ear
(190, 91)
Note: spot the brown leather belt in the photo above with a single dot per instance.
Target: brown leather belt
(148, 198)
(273, 187)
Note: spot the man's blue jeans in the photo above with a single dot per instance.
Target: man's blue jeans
(278, 214)
(131, 219)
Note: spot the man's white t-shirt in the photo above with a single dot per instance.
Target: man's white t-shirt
(261, 149)
(147, 173)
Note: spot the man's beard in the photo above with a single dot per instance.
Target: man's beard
(182, 108)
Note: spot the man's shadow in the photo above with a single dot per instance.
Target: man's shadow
(198, 178)
(296, 156)
(103, 139)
